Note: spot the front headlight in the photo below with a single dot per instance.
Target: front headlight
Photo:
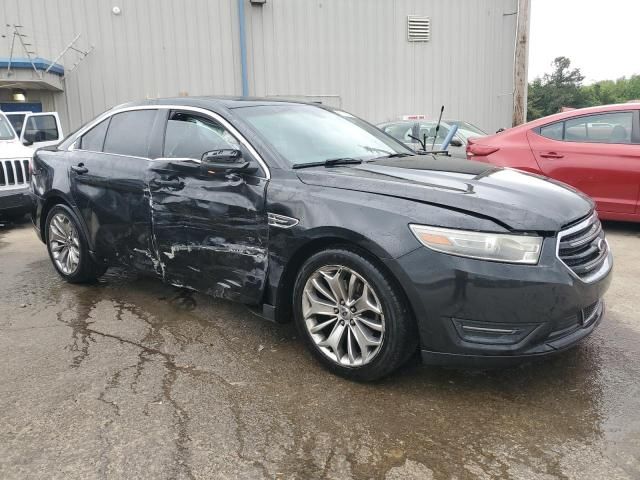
(498, 247)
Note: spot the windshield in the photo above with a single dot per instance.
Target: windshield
(307, 134)
(6, 130)
(467, 129)
(429, 129)
(17, 119)
(400, 131)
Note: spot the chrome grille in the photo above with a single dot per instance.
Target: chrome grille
(14, 173)
(583, 248)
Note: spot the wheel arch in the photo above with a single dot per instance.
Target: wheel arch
(324, 239)
(56, 197)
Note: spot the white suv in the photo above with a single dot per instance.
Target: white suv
(14, 172)
(36, 130)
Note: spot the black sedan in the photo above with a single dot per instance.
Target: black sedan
(310, 213)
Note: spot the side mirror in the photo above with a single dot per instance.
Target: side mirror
(28, 139)
(456, 142)
(224, 161)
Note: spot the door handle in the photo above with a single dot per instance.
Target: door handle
(174, 184)
(551, 155)
(80, 168)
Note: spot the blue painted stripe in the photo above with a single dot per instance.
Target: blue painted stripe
(24, 63)
(243, 50)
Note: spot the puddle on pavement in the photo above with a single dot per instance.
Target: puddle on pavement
(290, 417)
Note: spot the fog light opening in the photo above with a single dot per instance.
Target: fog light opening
(492, 334)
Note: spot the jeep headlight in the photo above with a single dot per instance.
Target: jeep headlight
(498, 247)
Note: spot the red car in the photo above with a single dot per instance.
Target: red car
(596, 150)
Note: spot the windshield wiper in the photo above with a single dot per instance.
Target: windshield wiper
(398, 155)
(328, 163)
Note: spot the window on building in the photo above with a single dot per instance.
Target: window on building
(129, 133)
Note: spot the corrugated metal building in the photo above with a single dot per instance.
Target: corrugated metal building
(354, 54)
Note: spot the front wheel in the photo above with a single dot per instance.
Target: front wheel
(68, 247)
(352, 316)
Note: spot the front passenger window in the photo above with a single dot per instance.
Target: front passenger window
(41, 128)
(191, 136)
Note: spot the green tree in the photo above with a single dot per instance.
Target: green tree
(560, 88)
(563, 88)
(615, 91)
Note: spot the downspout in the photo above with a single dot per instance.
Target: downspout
(243, 50)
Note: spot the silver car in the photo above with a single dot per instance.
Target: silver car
(412, 132)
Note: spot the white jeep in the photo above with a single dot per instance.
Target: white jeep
(14, 172)
(36, 130)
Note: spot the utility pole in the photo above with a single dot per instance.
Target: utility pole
(520, 80)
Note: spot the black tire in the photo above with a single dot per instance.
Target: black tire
(399, 342)
(88, 270)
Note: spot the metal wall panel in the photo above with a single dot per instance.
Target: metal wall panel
(352, 54)
(355, 53)
(153, 48)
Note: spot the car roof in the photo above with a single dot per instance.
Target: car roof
(556, 117)
(217, 102)
(616, 107)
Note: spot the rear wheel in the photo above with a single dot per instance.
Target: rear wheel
(352, 316)
(68, 248)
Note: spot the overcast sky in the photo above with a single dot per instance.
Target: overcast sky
(602, 38)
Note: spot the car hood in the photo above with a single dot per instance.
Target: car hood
(14, 149)
(516, 200)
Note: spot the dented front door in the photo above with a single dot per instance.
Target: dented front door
(210, 232)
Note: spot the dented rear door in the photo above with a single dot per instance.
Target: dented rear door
(210, 232)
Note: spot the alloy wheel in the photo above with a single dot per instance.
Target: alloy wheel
(64, 243)
(343, 315)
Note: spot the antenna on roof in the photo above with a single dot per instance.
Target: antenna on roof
(433, 145)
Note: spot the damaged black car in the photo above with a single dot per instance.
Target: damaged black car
(307, 213)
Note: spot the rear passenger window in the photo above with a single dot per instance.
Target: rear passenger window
(602, 128)
(129, 133)
(93, 140)
(553, 131)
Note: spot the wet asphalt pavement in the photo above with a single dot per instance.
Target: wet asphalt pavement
(129, 378)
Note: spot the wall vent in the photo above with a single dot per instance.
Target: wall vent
(418, 28)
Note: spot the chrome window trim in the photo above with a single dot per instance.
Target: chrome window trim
(203, 111)
(109, 153)
(606, 265)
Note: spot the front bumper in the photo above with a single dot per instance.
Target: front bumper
(474, 312)
(15, 202)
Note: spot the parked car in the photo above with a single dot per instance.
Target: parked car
(596, 150)
(14, 173)
(467, 129)
(37, 130)
(409, 131)
(310, 213)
